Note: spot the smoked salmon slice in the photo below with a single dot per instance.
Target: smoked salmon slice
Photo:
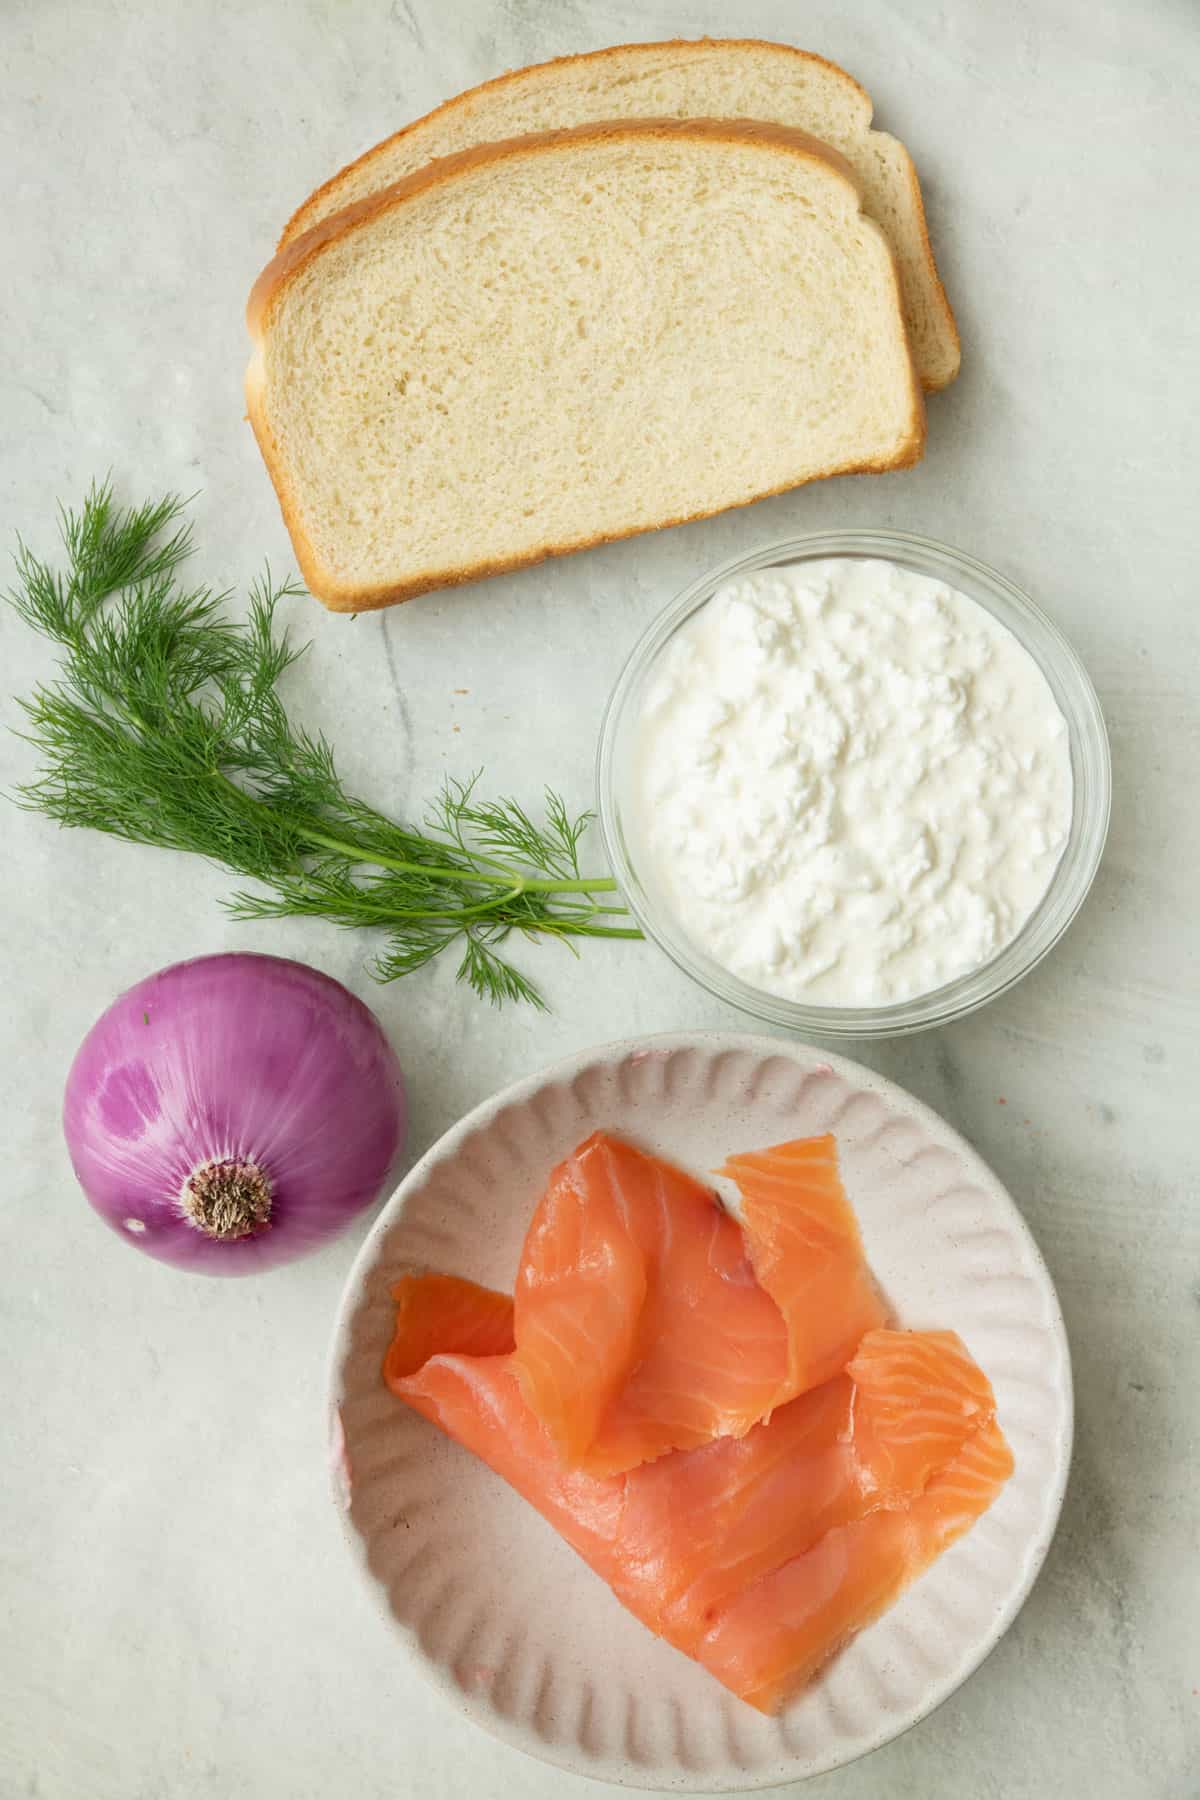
(718, 1519)
(442, 1312)
(758, 1556)
(770, 1642)
(647, 1319)
(699, 1526)
(918, 1397)
(640, 1326)
(672, 1538)
(477, 1400)
(805, 1246)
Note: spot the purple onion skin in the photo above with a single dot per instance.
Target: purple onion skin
(234, 1056)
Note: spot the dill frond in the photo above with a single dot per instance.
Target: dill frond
(165, 726)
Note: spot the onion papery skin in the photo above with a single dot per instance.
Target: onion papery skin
(234, 1057)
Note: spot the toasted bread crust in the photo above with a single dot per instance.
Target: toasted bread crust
(302, 219)
(285, 267)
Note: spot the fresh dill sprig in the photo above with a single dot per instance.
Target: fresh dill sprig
(165, 726)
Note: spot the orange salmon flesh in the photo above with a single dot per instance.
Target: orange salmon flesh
(713, 1414)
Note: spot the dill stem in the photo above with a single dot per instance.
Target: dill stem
(582, 930)
(534, 884)
(516, 884)
(355, 853)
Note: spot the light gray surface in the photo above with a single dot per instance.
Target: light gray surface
(179, 1616)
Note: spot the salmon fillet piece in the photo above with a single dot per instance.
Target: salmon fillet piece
(807, 1252)
(710, 1523)
(477, 1400)
(437, 1313)
(647, 1319)
(770, 1642)
(759, 1555)
(918, 1397)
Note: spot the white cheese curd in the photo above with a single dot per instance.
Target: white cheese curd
(850, 783)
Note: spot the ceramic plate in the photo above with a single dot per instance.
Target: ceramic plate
(486, 1599)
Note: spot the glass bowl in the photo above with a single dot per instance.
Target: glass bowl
(1090, 769)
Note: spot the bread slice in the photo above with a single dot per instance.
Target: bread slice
(545, 344)
(719, 79)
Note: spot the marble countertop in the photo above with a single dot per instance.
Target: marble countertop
(179, 1616)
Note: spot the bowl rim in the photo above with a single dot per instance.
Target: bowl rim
(477, 1118)
(1091, 803)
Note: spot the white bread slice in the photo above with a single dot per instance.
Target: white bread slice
(545, 344)
(709, 79)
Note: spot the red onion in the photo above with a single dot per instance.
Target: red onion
(232, 1112)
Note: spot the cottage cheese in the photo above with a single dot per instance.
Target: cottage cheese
(850, 782)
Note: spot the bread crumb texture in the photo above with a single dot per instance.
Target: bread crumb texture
(555, 348)
(708, 78)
